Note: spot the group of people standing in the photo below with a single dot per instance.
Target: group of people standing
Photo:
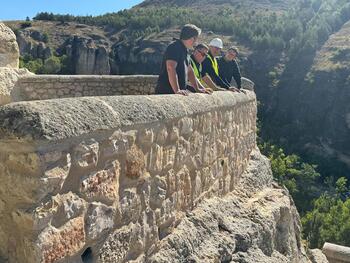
(201, 72)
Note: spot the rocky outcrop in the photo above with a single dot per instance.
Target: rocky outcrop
(9, 55)
(257, 222)
(9, 60)
(32, 42)
(88, 57)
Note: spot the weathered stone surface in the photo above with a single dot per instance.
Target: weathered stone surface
(86, 154)
(102, 185)
(130, 205)
(135, 162)
(9, 53)
(56, 212)
(336, 253)
(55, 176)
(84, 115)
(253, 224)
(100, 218)
(9, 90)
(120, 244)
(56, 244)
(316, 256)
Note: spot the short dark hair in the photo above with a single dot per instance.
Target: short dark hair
(189, 31)
(235, 49)
(201, 46)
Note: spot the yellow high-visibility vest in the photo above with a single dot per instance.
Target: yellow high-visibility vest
(197, 71)
(214, 64)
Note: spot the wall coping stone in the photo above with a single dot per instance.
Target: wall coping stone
(52, 120)
(84, 78)
(336, 253)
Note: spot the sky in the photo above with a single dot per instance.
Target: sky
(20, 9)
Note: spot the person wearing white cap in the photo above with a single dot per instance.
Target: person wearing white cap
(210, 65)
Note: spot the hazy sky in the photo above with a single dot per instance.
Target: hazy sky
(20, 9)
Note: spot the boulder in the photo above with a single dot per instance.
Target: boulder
(9, 53)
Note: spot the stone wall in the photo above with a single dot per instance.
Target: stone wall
(336, 253)
(39, 87)
(105, 178)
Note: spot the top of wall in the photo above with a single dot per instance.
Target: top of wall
(52, 120)
(86, 78)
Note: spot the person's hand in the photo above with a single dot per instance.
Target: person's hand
(206, 91)
(183, 92)
(234, 89)
(209, 90)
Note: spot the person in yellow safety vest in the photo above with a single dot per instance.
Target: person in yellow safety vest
(199, 54)
(210, 67)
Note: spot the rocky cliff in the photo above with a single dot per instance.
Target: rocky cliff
(257, 222)
(314, 115)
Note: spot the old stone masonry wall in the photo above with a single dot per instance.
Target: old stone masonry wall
(79, 174)
(39, 87)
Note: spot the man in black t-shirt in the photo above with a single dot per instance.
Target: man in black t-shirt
(175, 69)
(228, 67)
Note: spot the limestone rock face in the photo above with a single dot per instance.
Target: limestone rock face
(32, 42)
(89, 57)
(9, 54)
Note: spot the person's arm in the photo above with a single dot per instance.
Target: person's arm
(215, 78)
(207, 80)
(195, 83)
(237, 75)
(192, 78)
(173, 80)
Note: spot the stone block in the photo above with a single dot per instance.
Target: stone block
(102, 185)
(162, 136)
(146, 137)
(186, 126)
(86, 154)
(135, 162)
(54, 177)
(156, 158)
(99, 219)
(54, 244)
(59, 210)
(158, 192)
(130, 205)
(119, 244)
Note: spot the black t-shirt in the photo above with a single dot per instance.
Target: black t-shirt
(178, 52)
(229, 70)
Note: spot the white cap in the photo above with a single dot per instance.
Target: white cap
(216, 42)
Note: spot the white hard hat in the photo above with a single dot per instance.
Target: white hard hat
(216, 42)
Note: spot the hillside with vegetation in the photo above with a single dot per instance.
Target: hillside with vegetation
(297, 53)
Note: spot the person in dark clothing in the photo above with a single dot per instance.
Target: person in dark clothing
(210, 65)
(175, 69)
(228, 67)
